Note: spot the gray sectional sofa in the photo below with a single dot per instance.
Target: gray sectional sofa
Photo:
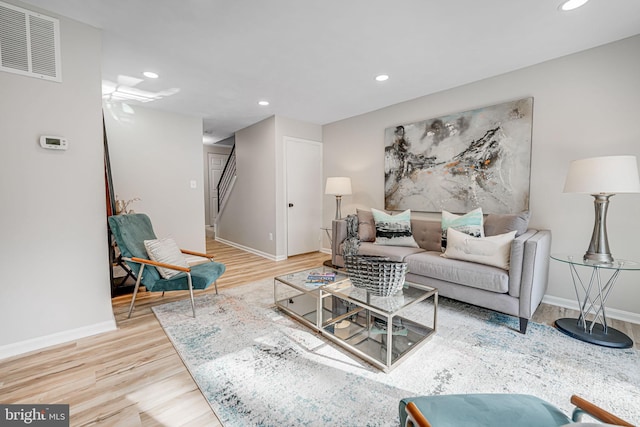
(516, 292)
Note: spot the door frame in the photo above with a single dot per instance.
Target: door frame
(285, 140)
(210, 189)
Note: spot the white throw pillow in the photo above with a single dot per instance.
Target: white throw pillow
(165, 251)
(393, 230)
(470, 223)
(492, 250)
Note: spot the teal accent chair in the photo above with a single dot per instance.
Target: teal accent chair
(130, 231)
(496, 410)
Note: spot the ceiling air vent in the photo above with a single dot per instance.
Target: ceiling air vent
(29, 43)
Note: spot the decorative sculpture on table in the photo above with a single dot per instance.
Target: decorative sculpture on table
(122, 206)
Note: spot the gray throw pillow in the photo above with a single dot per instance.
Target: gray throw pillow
(366, 226)
(495, 224)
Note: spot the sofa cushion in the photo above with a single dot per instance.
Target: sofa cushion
(491, 250)
(495, 224)
(366, 226)
(431, 264)
(393, 230)
(427, 233)
(469, 223)
(394, 253)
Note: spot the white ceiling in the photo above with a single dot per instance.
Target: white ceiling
(315, 60)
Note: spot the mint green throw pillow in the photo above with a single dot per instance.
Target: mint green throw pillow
(469, 223)
(393, 230)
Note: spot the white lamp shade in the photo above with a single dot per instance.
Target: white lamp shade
(603, 175)
(338, 186)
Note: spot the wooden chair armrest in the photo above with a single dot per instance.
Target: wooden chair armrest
(597, 412)
(158, 264)
(417, 416)
(200, 254)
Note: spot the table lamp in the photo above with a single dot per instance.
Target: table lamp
(602, 177)
(338, 186)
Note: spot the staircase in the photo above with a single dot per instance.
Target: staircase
(227, 180)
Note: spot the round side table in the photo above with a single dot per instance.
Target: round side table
(592, 299)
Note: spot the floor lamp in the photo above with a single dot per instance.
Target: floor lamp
(602, 177)
(338, 186)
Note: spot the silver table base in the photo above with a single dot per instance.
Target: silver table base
(592, 297)
(611, 338)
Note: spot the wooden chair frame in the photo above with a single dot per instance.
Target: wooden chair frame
(415, 418)
(143, 262)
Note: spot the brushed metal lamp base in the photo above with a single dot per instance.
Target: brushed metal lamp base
(338, 203)
(598, 251)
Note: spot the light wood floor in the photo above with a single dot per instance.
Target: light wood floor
(133, 376)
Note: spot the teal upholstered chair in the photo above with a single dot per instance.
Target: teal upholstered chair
(495, 410)
(130, 232)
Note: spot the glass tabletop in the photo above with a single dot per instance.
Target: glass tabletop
(408, 294)
(617, 264)
(312, 278)
(341, 286)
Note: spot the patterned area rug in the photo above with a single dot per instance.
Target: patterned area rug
(258, 367)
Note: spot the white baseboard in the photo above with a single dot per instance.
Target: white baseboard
(326, 250)
(40, 343)
(625, 316)
(253, 251)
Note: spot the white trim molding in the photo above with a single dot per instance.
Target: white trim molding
(625, 316)
(253, 251)
(40, 343)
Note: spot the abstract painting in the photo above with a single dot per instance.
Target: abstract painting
(462, 161)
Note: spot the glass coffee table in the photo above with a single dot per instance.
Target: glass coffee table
(356, 319)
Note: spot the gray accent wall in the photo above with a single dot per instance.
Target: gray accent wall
(257, 205)
(53, 228)
(585, 105)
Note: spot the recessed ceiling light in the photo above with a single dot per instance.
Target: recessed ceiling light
(150, 74)
(572, 4)
(263, 103)
(382, 77)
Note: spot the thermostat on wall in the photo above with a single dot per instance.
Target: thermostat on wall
(53, 142)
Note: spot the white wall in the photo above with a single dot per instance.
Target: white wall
(256, 206)
(291, 128)
(585, 105)
(206, 149)
(154, 156)
(53, 230)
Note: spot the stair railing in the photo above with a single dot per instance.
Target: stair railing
(226, 181)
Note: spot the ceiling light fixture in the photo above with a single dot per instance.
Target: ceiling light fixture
(382, 77)
(121, 92)
(150, 74)
(263, 103)
(572, 4)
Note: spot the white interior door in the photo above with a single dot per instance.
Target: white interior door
(304, 195)
(216, 166)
